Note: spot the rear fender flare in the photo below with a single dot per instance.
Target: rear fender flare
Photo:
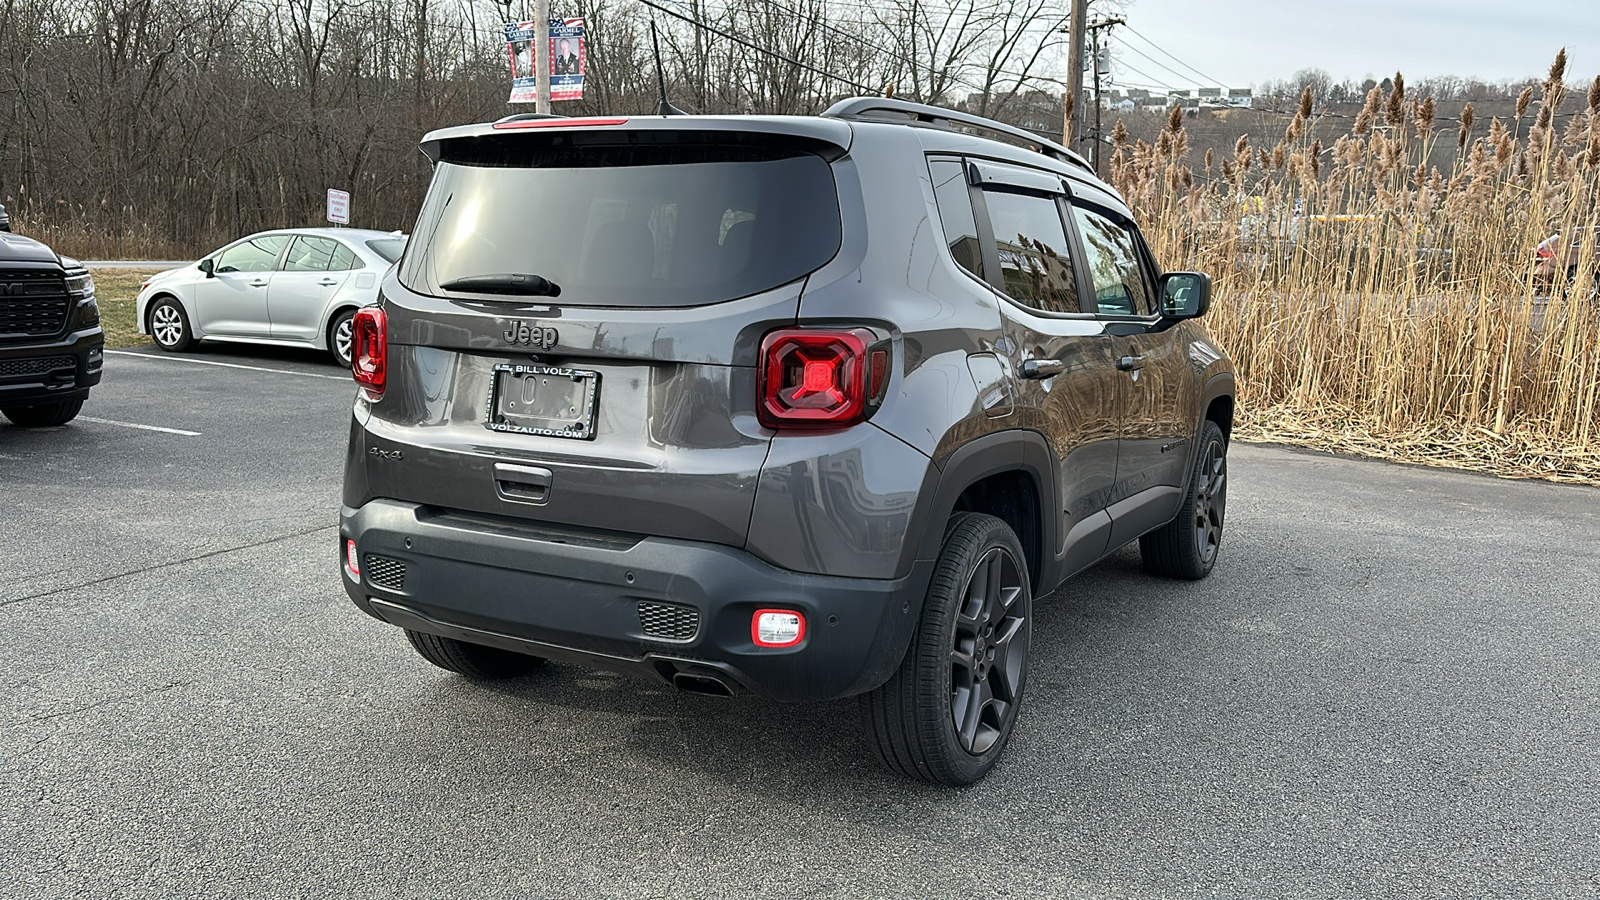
(1004, 451)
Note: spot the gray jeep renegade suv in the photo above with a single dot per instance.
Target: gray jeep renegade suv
(808, 407)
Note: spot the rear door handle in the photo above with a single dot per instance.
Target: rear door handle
(523, 484)
(328, 282)
(1129, 363)
(1042, 368)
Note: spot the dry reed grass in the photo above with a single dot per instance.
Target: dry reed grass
(1375, 305)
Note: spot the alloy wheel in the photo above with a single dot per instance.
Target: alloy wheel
(166, 324)
(342, 337)
(988, 660)
(1210, 501)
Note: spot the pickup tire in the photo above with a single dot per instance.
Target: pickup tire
(945, 716)
(1187, 547)
(472, 660)
(45, 414)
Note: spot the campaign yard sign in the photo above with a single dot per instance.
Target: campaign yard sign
(567, 58)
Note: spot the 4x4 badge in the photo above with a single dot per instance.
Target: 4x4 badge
(532, 335)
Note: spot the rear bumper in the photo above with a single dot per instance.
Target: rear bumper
(53, 370)
(576, 597)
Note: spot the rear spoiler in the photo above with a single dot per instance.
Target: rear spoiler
(827, 137)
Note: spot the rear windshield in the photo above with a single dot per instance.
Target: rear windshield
(625, 228)
(388, 248)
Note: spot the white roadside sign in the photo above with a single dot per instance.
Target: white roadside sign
(339, 206)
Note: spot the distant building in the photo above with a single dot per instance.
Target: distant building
(1240, 97)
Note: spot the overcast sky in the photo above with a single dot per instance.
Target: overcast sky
(1245, 42)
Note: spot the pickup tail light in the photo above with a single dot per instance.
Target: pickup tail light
(369, 350)
(820, 377)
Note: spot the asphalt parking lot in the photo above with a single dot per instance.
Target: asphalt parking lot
(1387, 688)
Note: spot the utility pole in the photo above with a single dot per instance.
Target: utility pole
(1074, 99)
(1094, 31)
(541, 56)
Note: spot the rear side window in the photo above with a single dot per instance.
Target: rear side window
(631, 228)
(1035, 262)
(1120, 286)
(954, 198)
(343, 259)
(310, 254)
(255, 255)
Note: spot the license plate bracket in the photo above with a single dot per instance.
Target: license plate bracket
(550, 401)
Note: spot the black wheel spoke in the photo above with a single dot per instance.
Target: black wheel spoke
(987, 659)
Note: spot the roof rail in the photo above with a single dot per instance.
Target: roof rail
(863, 107)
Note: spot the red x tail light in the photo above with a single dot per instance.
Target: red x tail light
(821, 378)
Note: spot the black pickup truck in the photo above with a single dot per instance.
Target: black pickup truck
(51, 342)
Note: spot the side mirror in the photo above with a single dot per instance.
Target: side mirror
(208, 266)
(1185, 295)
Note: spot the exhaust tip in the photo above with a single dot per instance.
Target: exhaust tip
(709, 685)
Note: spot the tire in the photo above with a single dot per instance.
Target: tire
(472, 660)
(970, 645)
(45, 414)
(339, 336)
(169, 326)
(1187, 547)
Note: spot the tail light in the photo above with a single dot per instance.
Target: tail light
(369, 350)
(821, 378)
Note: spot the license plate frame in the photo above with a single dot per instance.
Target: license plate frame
(581, 397)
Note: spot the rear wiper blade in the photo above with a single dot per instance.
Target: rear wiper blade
(507, 283)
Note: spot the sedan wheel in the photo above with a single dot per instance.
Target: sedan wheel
(170, 326)
(341, 336)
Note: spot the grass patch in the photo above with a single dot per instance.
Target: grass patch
(115, 290)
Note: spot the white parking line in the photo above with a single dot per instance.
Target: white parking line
(138, 426)
(210, 362)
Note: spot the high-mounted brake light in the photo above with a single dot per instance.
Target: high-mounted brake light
(777, 627)
(369, 350)
(820, 378)
(560, 123)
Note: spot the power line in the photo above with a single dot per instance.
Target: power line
(1207, 79)
(741, 41)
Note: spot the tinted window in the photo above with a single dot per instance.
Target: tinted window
(1120, 286)
(254, 255)
(1034, 260)
(310, 254)
(343, 258)
(950, 191)
(675, 226)
(388, 248)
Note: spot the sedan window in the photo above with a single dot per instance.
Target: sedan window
(310, 254)
(255, 255)
(343, 259)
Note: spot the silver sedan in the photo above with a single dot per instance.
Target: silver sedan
(297, 287)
